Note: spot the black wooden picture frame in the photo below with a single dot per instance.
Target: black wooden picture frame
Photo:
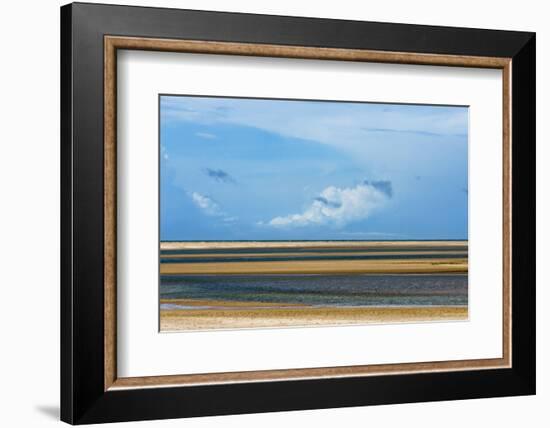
(84, 397)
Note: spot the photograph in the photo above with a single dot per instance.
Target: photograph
(271, 211)
(304, 213)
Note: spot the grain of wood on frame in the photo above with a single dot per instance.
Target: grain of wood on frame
(112, 43)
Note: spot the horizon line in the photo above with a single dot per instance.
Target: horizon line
(312, 240)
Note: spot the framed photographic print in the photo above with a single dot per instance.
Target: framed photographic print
(265, 213)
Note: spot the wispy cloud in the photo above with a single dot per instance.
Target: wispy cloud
(339, 206)
(413, 131)
(206, 135)
(208, 205)
(164, 152)
(212, 208)
(344, 125)
(219, 175)
(377, 235)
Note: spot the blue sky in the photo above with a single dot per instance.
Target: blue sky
(254, 169)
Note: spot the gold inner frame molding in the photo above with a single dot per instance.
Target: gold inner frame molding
(113, 43)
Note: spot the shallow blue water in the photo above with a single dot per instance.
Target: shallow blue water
(321, 290)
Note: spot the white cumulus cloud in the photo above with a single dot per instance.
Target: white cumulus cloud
(339, 206)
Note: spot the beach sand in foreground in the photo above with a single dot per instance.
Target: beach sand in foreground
(216, 317)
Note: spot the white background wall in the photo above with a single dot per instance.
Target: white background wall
(29, 172)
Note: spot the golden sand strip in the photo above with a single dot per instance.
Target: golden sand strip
(178, 320)
(314, 253)
(319, 267)
(307, 244)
